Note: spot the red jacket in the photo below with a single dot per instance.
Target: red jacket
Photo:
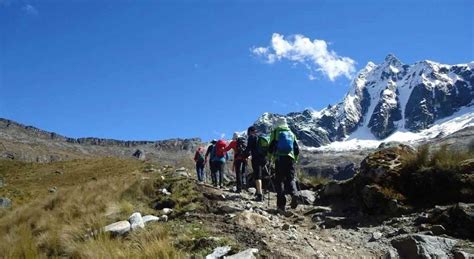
(233, 145)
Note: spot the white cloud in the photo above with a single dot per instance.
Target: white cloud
(31, 10)
(313, 54)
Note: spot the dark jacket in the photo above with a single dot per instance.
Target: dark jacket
(252, 149)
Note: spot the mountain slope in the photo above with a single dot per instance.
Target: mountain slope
(384, 99)
(27, 143)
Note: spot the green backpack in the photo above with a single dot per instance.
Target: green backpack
(263, 143)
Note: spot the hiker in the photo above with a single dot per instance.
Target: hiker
(239, 145)
(258, 148)
(284, 150)
(218, 159)
(200, 160)
(210, 158)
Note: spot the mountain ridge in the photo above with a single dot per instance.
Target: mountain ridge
(28, 143)
(385, 98)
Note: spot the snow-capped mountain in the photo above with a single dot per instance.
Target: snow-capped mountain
(384, 99)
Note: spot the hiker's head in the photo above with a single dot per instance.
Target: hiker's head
(251, 130)
(235, 136)
(214, 141)
(281, 122)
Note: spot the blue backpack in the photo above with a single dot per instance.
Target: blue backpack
(285, 142)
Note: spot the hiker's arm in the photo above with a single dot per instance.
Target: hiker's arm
(207, 153)
(230, 146)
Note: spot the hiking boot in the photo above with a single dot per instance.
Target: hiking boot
(284, 213)
(294, 202)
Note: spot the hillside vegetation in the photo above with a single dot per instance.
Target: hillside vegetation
(90, 195)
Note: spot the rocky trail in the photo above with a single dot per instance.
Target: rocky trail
(258, 225)
(368, 216)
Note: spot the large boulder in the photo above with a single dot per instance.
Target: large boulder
(423, 246)
(385, 165)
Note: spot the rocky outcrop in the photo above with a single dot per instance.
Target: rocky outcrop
(385, 164)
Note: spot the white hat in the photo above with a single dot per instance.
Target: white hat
(281, 122)
(235, 136)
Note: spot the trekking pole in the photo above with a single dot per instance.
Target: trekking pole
(268, 189)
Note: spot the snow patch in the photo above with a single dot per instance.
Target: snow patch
(362, 138)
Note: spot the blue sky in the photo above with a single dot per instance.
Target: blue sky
(163, 69)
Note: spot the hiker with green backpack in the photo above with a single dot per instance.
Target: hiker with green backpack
(258, 149)
(284, 150)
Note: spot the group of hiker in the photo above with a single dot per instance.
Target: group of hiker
(279, 147)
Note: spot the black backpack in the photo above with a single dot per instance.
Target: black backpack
(241, 147)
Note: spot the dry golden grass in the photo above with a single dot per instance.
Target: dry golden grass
(313, 180)
(90, 195)
(440, 160)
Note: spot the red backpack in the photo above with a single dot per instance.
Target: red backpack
(220, 146)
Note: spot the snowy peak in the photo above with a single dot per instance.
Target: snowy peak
(392, 62)
(384, 99)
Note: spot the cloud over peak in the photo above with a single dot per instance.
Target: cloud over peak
(314, 54)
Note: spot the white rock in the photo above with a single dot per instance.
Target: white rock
(219, 252)
(252, 190)
(136, 221)
(164, 218)
(246, 254)
(376, 236)
(165, 192)
(162, 177)
(118, 228)
(167, 211)
(150, 218)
